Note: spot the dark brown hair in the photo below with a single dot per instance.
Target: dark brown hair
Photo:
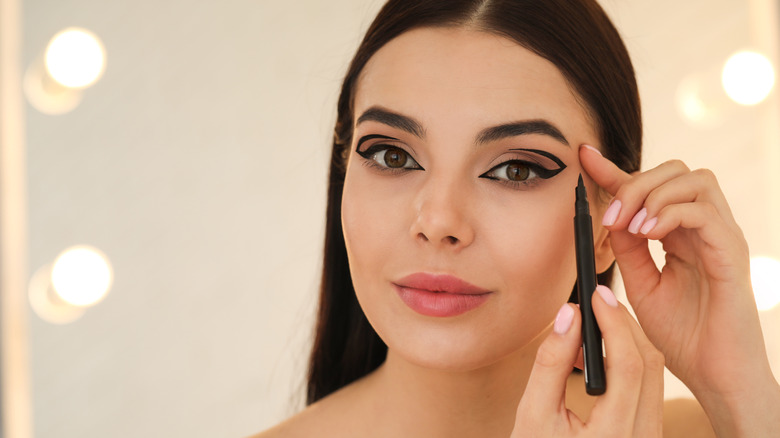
(575, 35)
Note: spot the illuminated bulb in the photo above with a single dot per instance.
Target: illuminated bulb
(81, 276)
(75, 58)
(765, 275)
(691, 107)
(748, 78)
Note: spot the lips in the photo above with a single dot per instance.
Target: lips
(439, 295)
(440, 283)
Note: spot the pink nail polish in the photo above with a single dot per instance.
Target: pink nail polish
(637, 221)
(649, 225)
(611, 215)
(563, 320)
(607, 295)
(592, 148)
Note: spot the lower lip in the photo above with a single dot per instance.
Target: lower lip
(439, 304)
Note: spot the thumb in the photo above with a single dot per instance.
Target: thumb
(546, 389)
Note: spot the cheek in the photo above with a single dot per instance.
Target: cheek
(534, 255)
(530, 256)
(367, 226)
(372, 220)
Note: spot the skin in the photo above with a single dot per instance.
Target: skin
(518, 243)
(504, 368)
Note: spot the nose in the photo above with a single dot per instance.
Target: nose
(442, 216)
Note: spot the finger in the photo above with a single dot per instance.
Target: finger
(624, 367)
(545, 392)
(723, 250)
(627, 212)
(698, 186)
(649, 414)
(604, 172)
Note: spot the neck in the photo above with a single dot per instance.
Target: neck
(432, 402)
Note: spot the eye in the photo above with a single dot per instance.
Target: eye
(522, 173)
(516, 171)
(389, 157)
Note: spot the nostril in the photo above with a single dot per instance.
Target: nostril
(422, 236)
(452, 240)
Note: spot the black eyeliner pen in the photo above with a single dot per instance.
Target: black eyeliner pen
(595, 378)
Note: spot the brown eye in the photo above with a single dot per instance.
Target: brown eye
(517, 172)
(521, 174)
(388, 157)
(395, 158)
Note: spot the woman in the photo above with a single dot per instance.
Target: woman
(462, 129)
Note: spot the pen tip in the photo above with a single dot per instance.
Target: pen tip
(580, 183)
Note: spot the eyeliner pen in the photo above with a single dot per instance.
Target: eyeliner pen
(595, 378)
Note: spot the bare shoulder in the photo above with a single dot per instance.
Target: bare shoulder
(685, 418)
(337, 415)
(302, 424)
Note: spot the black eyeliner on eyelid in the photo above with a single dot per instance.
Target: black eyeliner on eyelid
(373, 150)
(365, 138)
(541, 171)
(544, 154)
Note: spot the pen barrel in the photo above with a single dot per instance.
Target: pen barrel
(595, 380)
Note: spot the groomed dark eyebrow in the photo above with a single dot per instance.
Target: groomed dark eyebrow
(395, 120)
(521, 128)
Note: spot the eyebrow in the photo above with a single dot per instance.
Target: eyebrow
(521, 128)
(395, 120)
(487, 135)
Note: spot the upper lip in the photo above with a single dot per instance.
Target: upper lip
(440, 283)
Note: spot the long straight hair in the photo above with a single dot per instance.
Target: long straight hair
(575, 35)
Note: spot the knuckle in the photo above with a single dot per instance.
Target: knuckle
(707, 176)
(677, 165)
(652, 199)
(709, 210)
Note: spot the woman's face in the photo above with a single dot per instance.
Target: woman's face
(464, 162)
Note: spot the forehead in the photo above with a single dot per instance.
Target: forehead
(470, 74)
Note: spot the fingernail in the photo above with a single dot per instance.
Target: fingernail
(636, 222)
(607, 295)
(563, 320)
(649, 225)
(592, 148)
(610, 216)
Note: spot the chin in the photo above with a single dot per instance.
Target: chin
(459, 348)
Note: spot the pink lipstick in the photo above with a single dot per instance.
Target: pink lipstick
(439, 295)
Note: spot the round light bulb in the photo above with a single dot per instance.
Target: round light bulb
(75, 58)
(748, 77)
(81, 275)
(765, 275)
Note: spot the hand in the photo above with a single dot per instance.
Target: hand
(699, 309)
(633, 403)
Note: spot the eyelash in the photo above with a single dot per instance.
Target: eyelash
(538, 171)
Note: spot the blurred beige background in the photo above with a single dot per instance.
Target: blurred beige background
(197, 164)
